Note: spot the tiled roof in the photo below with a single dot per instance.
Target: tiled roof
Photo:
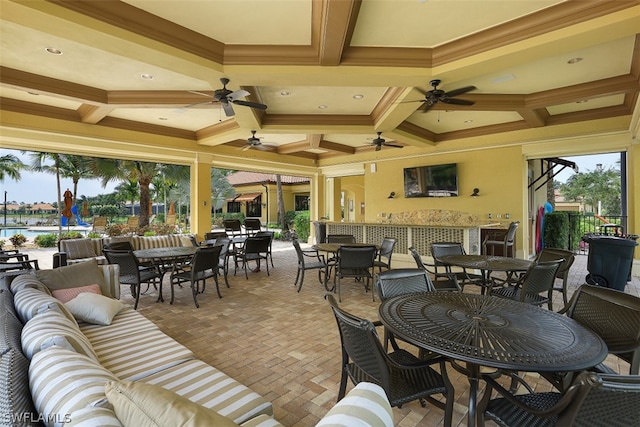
(244, 177)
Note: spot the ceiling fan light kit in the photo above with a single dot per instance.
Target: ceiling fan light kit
(227, 97)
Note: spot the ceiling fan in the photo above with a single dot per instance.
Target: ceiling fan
(227, 97)
(380, 142)
(435, 95)
(254, 142)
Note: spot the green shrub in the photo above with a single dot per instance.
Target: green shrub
(556, 230)
(71, 235)
(94, 235)
(18, 240)
(302, 225)
(116, 229)
(46, 240)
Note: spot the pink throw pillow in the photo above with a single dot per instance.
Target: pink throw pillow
(68, 294)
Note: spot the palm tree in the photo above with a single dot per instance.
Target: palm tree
(128, 191)
(10, 166)
(38, 164)
(282, 214)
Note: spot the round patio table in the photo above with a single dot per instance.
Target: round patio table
(483, 330)
(165, 258)
(487, 264)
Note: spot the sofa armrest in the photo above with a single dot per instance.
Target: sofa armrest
(366, 402)
(112, 278)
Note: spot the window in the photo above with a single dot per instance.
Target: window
(302, 202)
(233, 207)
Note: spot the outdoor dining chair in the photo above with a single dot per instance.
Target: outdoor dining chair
(446, 282)
(593, 400)
(355, 262)
(310, 260)
(439, 249)
(535, 286)
(252, 226)
(341, 238)
(133, 273)
(203, 266)
(402, 375)
(385, 253)
(506, 242)
(254, 248)
(548, 254)
(233, 227)
(269, 234)
(401, 281)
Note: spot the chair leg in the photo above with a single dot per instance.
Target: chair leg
(301, 274)
(137, 292)
(194, 292)
(215, 279)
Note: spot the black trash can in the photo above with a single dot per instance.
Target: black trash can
(321, 231)
(610, 261)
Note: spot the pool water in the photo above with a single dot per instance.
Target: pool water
(5, 233)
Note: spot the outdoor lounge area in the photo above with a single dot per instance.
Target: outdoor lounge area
(284, 345)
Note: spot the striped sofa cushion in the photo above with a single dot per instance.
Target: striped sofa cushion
(211, 388)
(93, 416)
(137, 356)
(150, 242)
(53, 328)
(127, 322)
(111, 279)
(262, 420)
(366, 404)
(28, 281)
(28, 302)
(63, 382)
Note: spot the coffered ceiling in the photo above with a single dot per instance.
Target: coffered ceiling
(331, 72)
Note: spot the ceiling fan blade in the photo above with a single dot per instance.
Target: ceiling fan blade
(460, 91)
(237, 94)
(200, 93)
(457, 101)
(198, 103)
(250, 104)
(246, 147)
(394, 145)
(228, 109)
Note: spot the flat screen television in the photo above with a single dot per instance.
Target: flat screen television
(431, 181)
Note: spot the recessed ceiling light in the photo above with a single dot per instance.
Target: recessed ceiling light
(468, 121)
(285, 93)
(147, 76)
(358, 96)
(53, 51)
(162, 118)
(574, 60)
(582, 101)
(322, 107)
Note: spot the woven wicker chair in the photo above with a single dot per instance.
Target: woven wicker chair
(446, 282)
(538, 279)
(310, 260)
(133, 273)
(255, 248)
(403, 376)
(356, 262)
(593, 400)
(440, 249)
(549, 254)
(203, 266)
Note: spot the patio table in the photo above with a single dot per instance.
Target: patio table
(487, 264)
(483, 330)
(165, 258)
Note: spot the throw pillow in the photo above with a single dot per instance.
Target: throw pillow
(94, 308)
(72, 276)
(65, 295)
(140, 404)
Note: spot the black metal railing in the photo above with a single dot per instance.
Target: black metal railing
(586, 224)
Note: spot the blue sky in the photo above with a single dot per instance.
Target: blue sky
(39, 187)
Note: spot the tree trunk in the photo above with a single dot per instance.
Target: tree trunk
(282, 217)
(60, 203)
(144, 202)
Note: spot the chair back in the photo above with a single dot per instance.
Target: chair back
(613, 315)
(100, 224)
(440, 249)
(170, 219)
(550, 254)
(119, 245)
(386, 248)
(252, 225)
(133, 221)
(360, 344)
(341, 238)
(604, 400)
(510, 237)
(356, 260)
(206, 258)
(299, 254)
(257, 245)
(402, 281)
(417, 258)
(128, 263)
(539, 277)
(233, 226)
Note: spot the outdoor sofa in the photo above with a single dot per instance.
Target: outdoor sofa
(95, 361)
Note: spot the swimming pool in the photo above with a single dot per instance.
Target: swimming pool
(5, 233)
